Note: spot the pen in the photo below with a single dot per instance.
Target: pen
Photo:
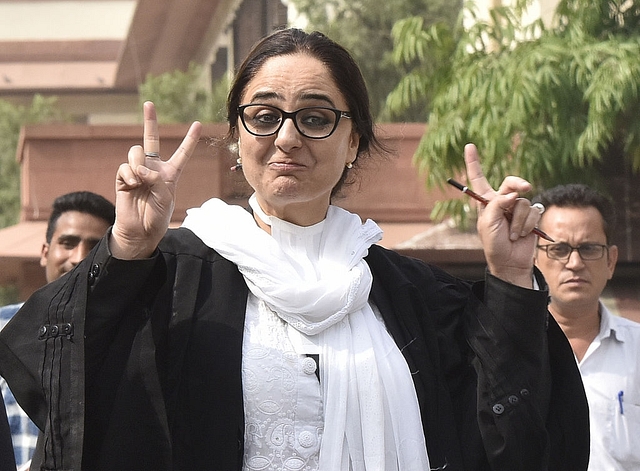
(485, 201)
(620, 394)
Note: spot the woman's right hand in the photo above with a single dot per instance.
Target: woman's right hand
(146, 190)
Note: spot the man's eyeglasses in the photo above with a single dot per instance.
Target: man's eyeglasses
(563, 251)
(316, 122)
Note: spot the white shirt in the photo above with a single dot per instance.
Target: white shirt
(610, 372)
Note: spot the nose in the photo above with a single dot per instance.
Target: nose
(79, 253)
(288, 136)
(574, 259)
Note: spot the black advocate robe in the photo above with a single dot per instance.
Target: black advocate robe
(136, 365)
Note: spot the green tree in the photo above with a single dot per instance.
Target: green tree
(181, 97)
(364, 28)
(552, 104)
(12, 118)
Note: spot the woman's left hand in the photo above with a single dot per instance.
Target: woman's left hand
(508, 243)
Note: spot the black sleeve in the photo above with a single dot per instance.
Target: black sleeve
(507, 335)
(525, 376)
(120, 293)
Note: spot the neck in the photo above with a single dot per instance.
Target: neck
(579, 327)
(306, 213)
(261, 224)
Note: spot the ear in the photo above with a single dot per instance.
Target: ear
(355, 140)
(44, 253)
(612, 259)
(354, 144)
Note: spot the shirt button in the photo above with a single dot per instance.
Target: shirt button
(524, 392)
(513, 399)
(498, 409)
(306, 439)
(309, 366)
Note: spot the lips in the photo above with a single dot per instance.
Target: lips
(286, 165)
(575, 281)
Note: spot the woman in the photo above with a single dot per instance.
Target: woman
(284, 337)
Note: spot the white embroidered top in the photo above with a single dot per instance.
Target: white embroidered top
(282, 394)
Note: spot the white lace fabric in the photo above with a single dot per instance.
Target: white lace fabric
(282, 397)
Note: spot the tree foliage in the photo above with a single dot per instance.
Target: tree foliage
(551, 104)
(12, 118)
(181, 97)
(364, 28)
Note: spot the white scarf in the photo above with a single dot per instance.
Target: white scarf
(372, 417)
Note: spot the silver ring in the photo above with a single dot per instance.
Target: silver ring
(539, 206)
(152, 154)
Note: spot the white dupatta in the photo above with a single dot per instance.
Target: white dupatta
(371, 412)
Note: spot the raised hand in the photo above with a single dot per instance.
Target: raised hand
(145, 191)
(508, 243)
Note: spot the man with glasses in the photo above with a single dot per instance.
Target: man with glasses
(577, 267)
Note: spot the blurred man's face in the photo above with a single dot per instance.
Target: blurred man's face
(75, 235)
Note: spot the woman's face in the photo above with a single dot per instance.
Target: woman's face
(291, 174)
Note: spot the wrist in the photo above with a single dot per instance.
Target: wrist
(124, 248)
(517, 276)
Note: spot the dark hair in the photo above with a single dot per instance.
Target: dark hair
(577, 195)
(81, 201)
(342, 67)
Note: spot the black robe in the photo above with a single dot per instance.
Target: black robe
(136, 365)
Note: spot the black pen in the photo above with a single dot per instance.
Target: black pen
(477, 197)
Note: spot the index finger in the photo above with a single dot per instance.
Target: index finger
(151, 139)
(476, 177)
(183, 153)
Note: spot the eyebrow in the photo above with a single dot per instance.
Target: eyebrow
(76, 239)
(304, 96)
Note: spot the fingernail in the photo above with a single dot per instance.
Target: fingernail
(143, 171)
(514, 236)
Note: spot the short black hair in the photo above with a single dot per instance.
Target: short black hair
(578, 195)
(83, 202)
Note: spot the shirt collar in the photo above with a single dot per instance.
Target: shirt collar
(609, 326)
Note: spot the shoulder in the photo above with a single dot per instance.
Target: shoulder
(395, 273)
(7, 312)
(620, 323)
(625, 330)
(381, 260)
(183, 250)
(182, 242)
